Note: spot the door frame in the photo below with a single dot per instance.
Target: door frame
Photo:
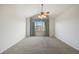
(32, 25)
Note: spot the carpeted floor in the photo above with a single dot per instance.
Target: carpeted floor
(40, 45)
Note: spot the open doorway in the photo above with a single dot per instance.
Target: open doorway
(39, 27)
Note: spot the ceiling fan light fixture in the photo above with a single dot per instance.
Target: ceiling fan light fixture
(43, 14)
(46, 13)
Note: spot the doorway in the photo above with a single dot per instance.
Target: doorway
(39, 27)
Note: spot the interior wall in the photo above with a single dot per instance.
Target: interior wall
(12, 26)
(28, 27)
(67, 26)
(51, 26)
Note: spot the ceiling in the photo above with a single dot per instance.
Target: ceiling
(28, 10)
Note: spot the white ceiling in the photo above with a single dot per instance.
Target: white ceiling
(28, 10)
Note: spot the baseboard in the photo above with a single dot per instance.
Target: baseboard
(20, 38)
(67, 43)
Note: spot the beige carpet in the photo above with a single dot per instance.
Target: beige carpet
(40, 45)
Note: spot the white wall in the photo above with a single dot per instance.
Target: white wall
(12, 26)
(28, 27)
(67, 26)
(51, 26)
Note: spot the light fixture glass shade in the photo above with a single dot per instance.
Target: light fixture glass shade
(46, 13)
(42, 16)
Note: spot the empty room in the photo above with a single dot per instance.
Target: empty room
(39, 28)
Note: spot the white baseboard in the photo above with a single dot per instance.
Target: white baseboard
(67, 43)
(19, 39)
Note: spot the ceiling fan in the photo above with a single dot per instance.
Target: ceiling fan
(43, 14)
